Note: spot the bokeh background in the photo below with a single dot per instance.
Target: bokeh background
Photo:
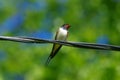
(93, 21)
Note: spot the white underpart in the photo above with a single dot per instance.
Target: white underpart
(62, 34)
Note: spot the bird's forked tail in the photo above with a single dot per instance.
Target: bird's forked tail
(48, 60)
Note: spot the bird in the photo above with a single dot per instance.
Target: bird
(61, 35)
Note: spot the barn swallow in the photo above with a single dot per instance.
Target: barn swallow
(61, 35)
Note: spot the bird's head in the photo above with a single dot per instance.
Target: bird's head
(66, 26)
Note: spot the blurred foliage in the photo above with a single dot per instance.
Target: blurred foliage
(94, 21)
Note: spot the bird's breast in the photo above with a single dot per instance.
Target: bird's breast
(62, 34)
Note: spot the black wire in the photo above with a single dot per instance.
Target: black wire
(72, 44)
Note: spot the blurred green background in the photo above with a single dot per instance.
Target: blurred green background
(93, 21)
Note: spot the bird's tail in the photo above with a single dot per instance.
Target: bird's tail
(48, 60)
